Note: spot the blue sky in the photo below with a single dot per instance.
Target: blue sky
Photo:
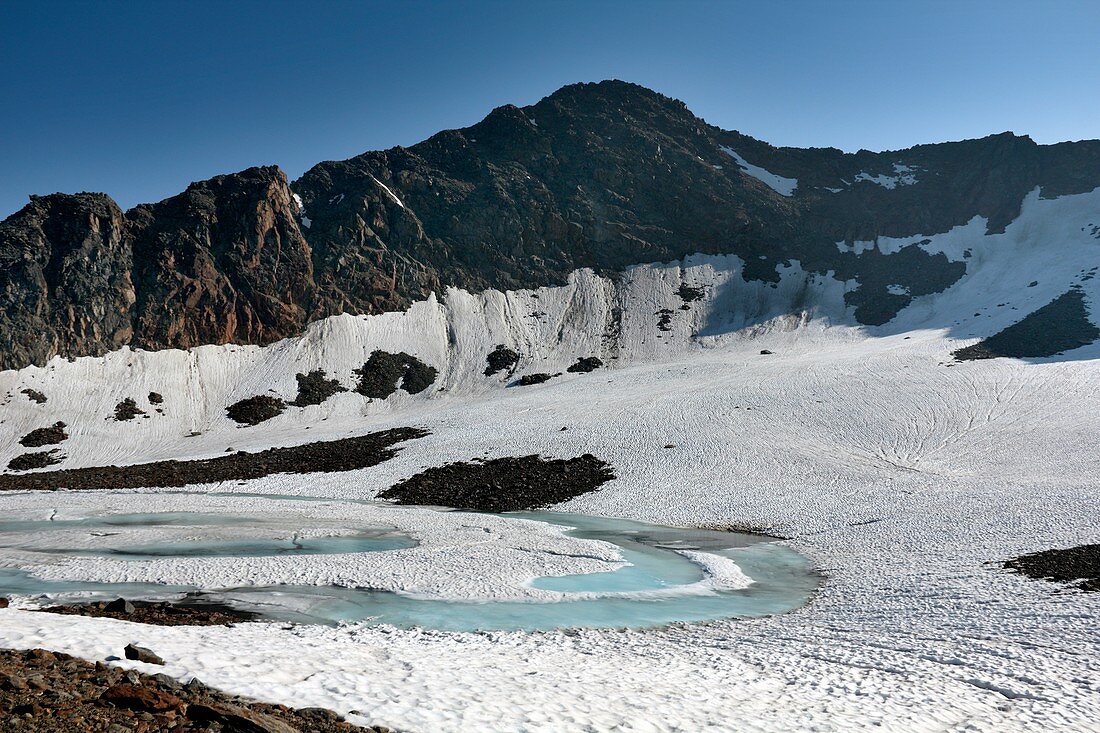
(137, 99)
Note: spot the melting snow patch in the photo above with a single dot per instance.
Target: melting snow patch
(897, 290)
(306, 221)
(722, 572)
(904, 175)
(857, 247)
(779, 184)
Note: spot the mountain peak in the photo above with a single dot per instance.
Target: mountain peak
(600, 175)
(611, 92)
(607, 89)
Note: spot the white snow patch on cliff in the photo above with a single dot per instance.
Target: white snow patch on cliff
(904, 175)
(779, 184)
(302, 211)
(387, 190)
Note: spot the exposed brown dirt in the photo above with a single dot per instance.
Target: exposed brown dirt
(256, 409)
(314, 388)
(38, 459)
(529, 379)
(500, 359)
(34, 395)
(384, 373)
(127, 409)
(688, 293)
(585, 364)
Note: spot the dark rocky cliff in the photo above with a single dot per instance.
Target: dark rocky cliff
(596, 175)
(66, 283)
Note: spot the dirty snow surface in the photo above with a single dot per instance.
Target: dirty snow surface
(903, 476)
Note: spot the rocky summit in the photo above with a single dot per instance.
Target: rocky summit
(598, 176)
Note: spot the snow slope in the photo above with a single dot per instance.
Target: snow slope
(902, 475)
(550, 328)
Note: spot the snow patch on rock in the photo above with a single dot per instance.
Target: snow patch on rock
(779, 184)
(386, 188)
(904, 175)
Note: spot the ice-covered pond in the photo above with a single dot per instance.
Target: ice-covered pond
(382, 567)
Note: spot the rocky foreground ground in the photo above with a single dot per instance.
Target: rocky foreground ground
(48, 692)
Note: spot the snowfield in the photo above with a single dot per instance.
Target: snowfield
(902, 475)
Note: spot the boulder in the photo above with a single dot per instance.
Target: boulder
(141, 654)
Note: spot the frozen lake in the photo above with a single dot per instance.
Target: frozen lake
(662, 575)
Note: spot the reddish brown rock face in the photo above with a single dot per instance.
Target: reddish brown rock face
(225, 261)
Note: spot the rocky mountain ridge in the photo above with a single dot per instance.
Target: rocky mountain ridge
(601, 176)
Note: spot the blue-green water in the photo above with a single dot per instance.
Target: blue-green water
(657, 587)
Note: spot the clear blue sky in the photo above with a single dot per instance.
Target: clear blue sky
(139, 98)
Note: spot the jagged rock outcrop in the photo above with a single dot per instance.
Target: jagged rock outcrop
(225, 261)
(596, 175)
(65, 279)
